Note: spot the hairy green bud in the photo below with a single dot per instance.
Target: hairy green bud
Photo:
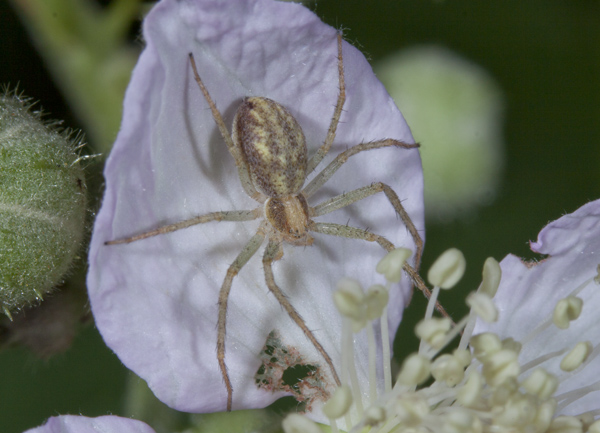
(42, 204)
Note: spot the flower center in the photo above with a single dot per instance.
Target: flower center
(481, 386)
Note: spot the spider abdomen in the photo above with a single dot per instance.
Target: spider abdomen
(273, 146)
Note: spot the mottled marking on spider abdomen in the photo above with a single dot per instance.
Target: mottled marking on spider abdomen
(273, 146)
(289, 216)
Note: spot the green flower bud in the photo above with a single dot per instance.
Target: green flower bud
(454, 108)
(42, 204)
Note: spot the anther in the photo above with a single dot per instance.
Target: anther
(566, 310)
(447, 368)
(339, 404)
(594, 427)
(374, 415)
(463, 356)
(492, 273)
(296, 423)
(461, 421)
(485, 345)
(576, 356)
(566, 424)
(518, 411)
(433, 331)
(481, 303)
(448, 269)
(511, 344)
(500, 366)
(545, 413)
(415, 370)
(376, 301)
(469, 394)
(504, 392)
(391, 265)
(411, 409)
(541, 383)
(349, 298)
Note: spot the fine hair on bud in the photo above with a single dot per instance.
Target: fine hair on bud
(42, 203)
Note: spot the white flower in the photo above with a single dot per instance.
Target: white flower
(535, 369)
(82, 424)
(529, 293)
(155, 300)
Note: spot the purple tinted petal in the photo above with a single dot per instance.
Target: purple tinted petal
(82, 424)
(529, 292)
(155, 300)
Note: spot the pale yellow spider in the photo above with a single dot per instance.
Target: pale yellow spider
(270, 154)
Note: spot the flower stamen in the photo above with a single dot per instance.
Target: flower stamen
(480, 389)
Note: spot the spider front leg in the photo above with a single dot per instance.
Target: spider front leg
(235, 215)
(235, 151)
(272, 253)
(320, 179)
(242, 258)
(348, 198)
(356, 233)
(335, 120)
(343, 231)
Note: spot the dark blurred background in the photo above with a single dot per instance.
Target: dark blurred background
(544, 54)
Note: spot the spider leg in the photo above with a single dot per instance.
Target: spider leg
(234, 150)
(339, 160)
(247, 252)
(348, 198)
(235, 215)
(324, 149)
(356, 233)
(351, 232)
(272, 253)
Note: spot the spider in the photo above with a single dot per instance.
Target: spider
(270, 154)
